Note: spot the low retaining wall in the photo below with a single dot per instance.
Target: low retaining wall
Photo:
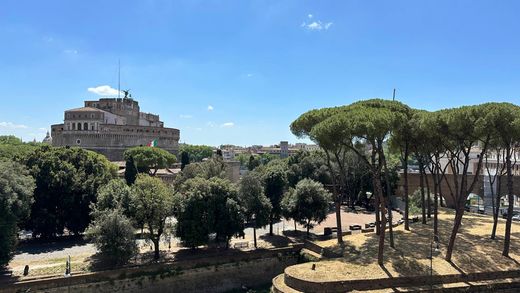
(216, 274)
(382, 283)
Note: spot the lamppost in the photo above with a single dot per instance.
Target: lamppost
(434, 247)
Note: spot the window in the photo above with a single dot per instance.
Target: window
(78, 141)
(85, 126)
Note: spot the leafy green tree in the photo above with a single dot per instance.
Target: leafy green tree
(208, 206)
(225, 213)
(16, 197)
(253, 163)
(115, 195)
(113, 235)
(196, 152)
(67, 180)
(463, 128)
(355, 127)
(185, 159)
(130, 170)
(505, 120)
(193, 226)
(275, 181)
(12, 148)
(150, 159)
(213, 167)
(252, 198)
(308, 203)
(152, 204)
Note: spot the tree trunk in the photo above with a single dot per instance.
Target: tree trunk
(421, 185)
(338, 222)
(156, 250)
(458, 220)
(428, 195)
(377, 211)
(406, 197)
(271, 225)
(295, 226)
(337, 199)
(436, 188)
(388, 199)
(510, 199)
(308, 228)
(496, 208)
(381, 247)
(254, 235)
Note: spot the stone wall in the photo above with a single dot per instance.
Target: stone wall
(446, 189)
(113, 140)
(212, 274)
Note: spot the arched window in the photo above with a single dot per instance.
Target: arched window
(85, 126)
(79, 125)
(73, 126)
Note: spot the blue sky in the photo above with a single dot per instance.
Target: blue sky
(241, 71)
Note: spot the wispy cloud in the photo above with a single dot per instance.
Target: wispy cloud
(315, 25)
(227, 124)
(10, 125)
(210, 124)
(70, 51)
(103, 90)
(210, 108)
(249, 75)
(42, 129)
(185, 116)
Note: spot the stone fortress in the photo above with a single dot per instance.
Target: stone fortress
(110, 126)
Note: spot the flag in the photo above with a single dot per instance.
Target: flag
(153, 143)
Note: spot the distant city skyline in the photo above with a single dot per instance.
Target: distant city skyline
(239, 72)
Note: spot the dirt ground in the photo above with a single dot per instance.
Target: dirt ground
(474, 251)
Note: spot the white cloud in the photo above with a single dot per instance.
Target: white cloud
(42, 129)
(103, 90)
(185, 116)
(70, 51)
(210, 108)
(317, 25)
(249, 75)
(227, 124)
(210, 124)
(10, 125)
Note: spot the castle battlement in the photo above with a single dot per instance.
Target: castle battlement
(112, 125)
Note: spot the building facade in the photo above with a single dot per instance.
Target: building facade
(109, 126)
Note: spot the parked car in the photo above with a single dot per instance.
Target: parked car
(515, 213)
(516, 218)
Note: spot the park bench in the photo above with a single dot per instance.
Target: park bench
(243, 244)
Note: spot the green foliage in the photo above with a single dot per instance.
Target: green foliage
(12, 148)
(196, 152)
(208, 206)
(16, 197)
(152, 203)
(253, 163)
(213, 167)
(185, 159)
(416, 201)
(115, 195)
(130, 171)
(274, 179)
(256, 205)
(306, 164)
(307, 203)
(150, 159)
(67, 180)
(113, 235)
